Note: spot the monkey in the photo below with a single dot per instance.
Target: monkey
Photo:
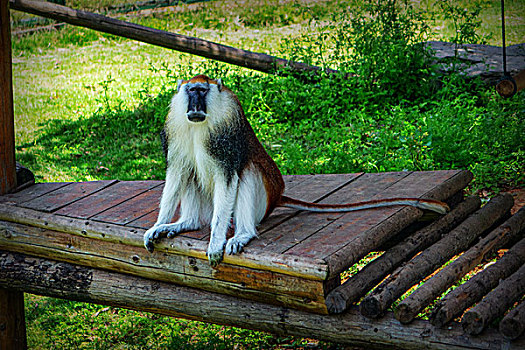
(218, 173)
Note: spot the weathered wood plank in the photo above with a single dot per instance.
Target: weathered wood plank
(133, 208)
(106, 198)
(46, 277)
(31, 192)
(251, 258)
(265, 286)
(355, 249)
(66, 195)
(303, 225)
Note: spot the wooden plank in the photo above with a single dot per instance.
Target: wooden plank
(7, 121)
(64, 280)
(354, 226)
(244, 282)
(66, 195)
(31, 192)
(361, 245)
(283, 237)
(106, 198)
(133, 208)
(251, 258)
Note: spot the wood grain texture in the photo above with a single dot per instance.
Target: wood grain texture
(7, 122)
(31, 192)
(267, 286)
(66, 195)
(295, 266)
(106, 199)
(47, 277)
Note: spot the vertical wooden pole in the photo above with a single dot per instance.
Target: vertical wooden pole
(7, 129)
(12, 320)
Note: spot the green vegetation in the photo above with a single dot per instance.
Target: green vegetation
(89, 106)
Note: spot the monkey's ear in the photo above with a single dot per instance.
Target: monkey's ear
(179, 83)
(219, 84)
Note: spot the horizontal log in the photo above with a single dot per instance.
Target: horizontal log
(459, 239)
(290, 265)
(257, 61)
(495, 304)
(358, 285)
(513, 325)
(469, 293)
(64, 280)
(507, 232)
(265, 286)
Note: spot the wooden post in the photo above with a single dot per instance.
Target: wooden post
(7, 130)
(12, 320)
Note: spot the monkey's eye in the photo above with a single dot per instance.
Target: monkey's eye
(199, 89)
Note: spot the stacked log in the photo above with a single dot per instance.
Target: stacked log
(455, 242)
(409, 308)
(513, 325)
(495, 303)
(346, 294)
(469, 293)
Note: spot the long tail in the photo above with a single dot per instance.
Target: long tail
(426, 204)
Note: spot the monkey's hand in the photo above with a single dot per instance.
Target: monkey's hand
(152, 235)
(215, 252)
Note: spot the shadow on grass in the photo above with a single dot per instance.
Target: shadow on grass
(114, 143)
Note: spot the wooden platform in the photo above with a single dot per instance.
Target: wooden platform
(296, 261)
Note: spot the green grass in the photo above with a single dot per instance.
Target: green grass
(89, 106)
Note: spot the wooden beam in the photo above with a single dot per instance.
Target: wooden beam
(64, 280)
(12, 321)
(253, 60)
(7, 129)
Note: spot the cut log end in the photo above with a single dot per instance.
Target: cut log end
(336, 303)
(511, 328)
(370, 307)
(404, 313)
(439, 318)
(473, 323)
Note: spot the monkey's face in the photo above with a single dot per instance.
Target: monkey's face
(200, 92)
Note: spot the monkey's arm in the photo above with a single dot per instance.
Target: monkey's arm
(168, 204)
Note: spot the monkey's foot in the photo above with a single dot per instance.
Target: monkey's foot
(153, 235)
(237, 243)
(215, 253)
